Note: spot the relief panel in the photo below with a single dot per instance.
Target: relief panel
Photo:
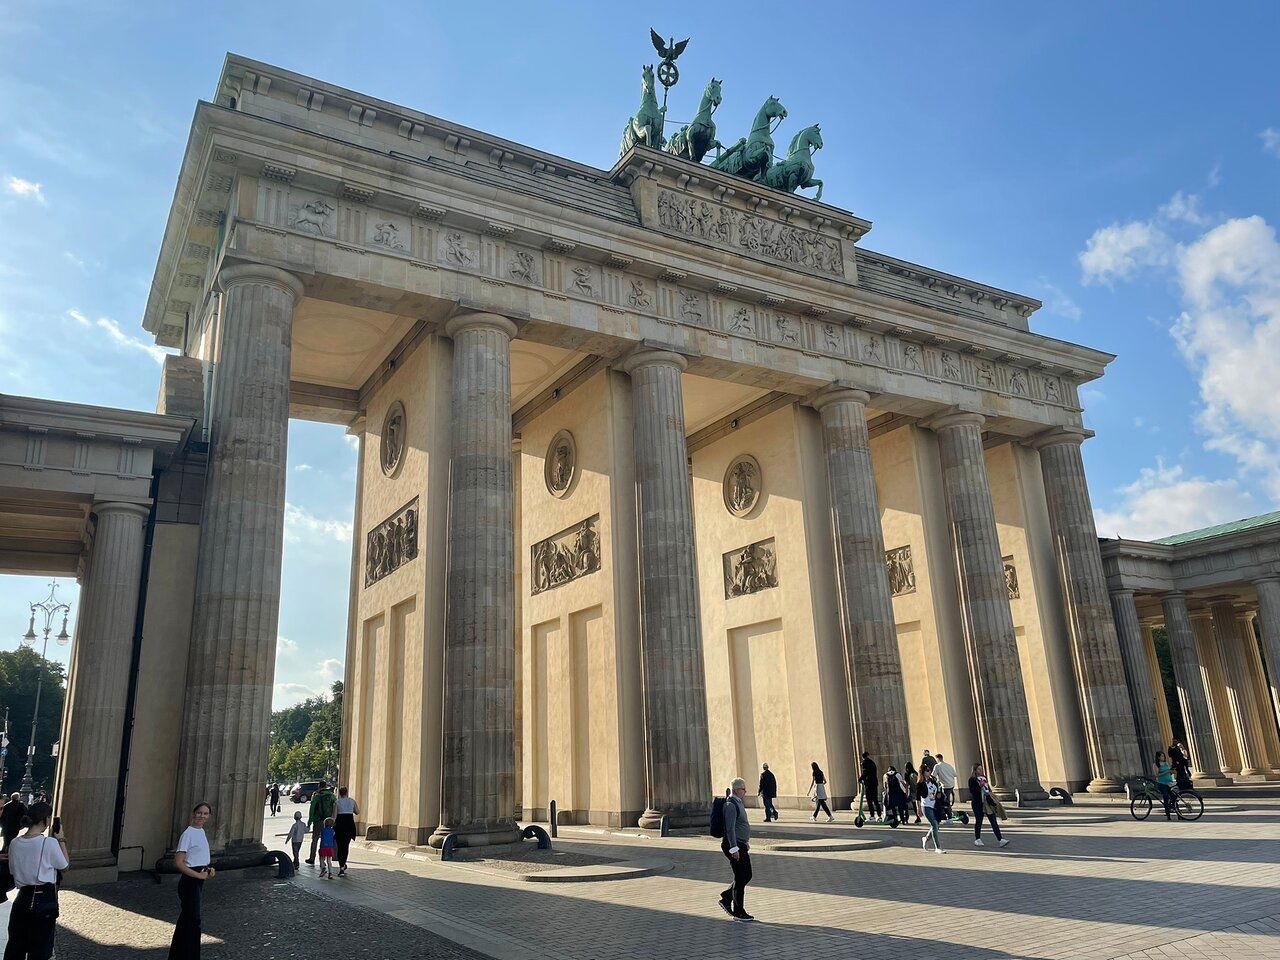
(391, 544)
(750, 569)
(565, 556)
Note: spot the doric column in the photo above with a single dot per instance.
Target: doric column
(1149, 625)
(89, 766)
(1244, 711)
(478, 785)
(1100, 669)
(1269, 629)
(1142, 696)
(237, 601)
(1266, 714)
(1004, 727)
(1215, 685)
(874, 668)
(677, 749)
(1191, 687)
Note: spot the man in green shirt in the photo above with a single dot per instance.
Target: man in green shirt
(323, 803)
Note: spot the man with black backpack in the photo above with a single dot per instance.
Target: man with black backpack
(729, 823)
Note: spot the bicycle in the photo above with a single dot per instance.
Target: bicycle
(1187, 804)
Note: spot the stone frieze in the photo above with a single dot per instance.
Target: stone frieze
(565, 556)
(391, 544)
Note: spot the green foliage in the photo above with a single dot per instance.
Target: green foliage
(19, 674)
(1165, 659)
(305, 739)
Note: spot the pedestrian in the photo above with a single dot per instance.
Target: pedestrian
(985, 804)
(1180, 760)
(869, 778)
(818, 791)
(929, 791)
(736, 847)
(322, 807)
(946, 775)
(768, 790)
(912, 779)
(11, 817)
(1164, 783)
(927, 763)
(297, 834)
(34, 861)
(328, 843)
(895, 795)
(275, 799)
(345, 827)
(192, 860)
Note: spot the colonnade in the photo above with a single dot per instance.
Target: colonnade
(228, 698)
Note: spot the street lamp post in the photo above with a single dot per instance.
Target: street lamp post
(48, 608)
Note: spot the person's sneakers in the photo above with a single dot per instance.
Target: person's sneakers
(979, 843)
(742, 916)
(938, 850)
(726, 905)
(831, 819)
(310, 863)
(1004, 842)
(814, 818)
(342, 872)
(924, 842)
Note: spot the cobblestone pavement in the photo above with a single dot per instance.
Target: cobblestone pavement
(1082, 883)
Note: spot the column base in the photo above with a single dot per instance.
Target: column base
(1211, 780)
(87, 874)
(686, 816)
(502, 833)
(1032, 793)
(1105, 785)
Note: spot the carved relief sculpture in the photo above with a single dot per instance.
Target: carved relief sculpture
(902, 572)
(872, 351)
(1018, 385)
(391, 448)
(786, 329)
(751, 569)
(743, 483)
(582, 281)
(986, 375)
(387, 234)
(911, 356)
(457, 251)
(314, 215)
(950, 366)
(690, 307)
(1011, 578)
(638, 297)
(565, 556)
(392, 543)
(831, 333)
(560, 468)
(1051, 390)
(521, 266)
(740, 322)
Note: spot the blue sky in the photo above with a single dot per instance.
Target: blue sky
(1118, 161)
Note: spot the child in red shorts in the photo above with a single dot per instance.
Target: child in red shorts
(328, 840)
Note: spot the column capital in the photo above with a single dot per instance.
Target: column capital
(1123, 592)
(837, 392)
(1269, 578)
(229, 277)
(473, 319)
(1056, 435)
(358, 425)
(122, 506)
(648, 356)
(954, 418)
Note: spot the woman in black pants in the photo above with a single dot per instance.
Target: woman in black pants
(818, 790)
(192, 860)
(979, 795)
(34, 861)
(346, 812)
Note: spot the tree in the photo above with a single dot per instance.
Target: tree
(305, 739)
(19, 674)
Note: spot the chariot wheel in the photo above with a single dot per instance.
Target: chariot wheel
(1189, 806)
(668, 74)
(1140, 807)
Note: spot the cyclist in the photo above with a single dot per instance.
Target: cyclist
(1164, 781)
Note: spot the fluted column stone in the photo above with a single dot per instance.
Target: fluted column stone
(1239, 689)
(1000, 699)
(677, 748)
(1191, 688)
(1142, 695)
(1266, 714)
(1110, 736)
(873, 665)
(1268, 589)
(478, 772)
(1215, 684)
(237, 598)
(1157, 679)
(89, 764)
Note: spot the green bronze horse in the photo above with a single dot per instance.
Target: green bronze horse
(796, 172)
(646, 126)
(752, 156)
(693, 140)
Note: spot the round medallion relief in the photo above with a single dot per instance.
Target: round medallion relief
(391, 449)
(743, 484)
(560, 469)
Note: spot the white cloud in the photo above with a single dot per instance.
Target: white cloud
(28, 189)
(1120, 250)
(331, 670)
(301, 524)
(1058, 302)
(291, 694)
(118, 336)
(285, 645)
(1163, 501)
(1184, 207)
(352, 441)
(1271, 141)
(303, 467)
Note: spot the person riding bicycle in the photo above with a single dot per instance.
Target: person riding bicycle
(1164, 781)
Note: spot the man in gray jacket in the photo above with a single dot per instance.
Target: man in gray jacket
(737, 833)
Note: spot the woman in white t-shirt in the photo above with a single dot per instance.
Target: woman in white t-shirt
(345, 812)
(34, 862)
(192, 860)
(930, 795)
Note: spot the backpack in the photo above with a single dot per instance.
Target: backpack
(716, 825)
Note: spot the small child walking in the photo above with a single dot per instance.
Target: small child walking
(297, 834)
(328, 840)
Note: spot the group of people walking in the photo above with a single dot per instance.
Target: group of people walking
(331, 821)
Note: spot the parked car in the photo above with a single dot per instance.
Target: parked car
(303, 791)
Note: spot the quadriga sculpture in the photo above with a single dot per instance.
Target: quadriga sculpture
(796, 172)
(752, 156)
(646, 126)
(695, 139)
